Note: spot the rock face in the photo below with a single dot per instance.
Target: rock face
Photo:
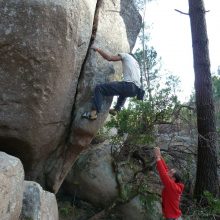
(134, 210)
(22, 200)
(48, 73)
(38, 204)
(103, 179)
(11, 187)
(92, 178)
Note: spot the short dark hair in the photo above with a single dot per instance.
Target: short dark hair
(177, 176)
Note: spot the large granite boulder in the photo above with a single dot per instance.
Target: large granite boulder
(136, 209)
(96, 179)
(48, 73)
(92, 177)
(38, 204)
(11, 187)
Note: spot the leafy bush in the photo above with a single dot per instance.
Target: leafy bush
(208, 208)
(138, 120)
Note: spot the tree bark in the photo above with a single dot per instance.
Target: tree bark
(206, 176)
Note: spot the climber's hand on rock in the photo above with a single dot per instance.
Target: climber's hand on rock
(93, 47)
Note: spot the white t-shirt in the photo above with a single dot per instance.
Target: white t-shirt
(131, 69)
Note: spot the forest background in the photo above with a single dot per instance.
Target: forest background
(163, 106)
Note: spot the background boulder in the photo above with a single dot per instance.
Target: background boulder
(11, 187)
(38, 204)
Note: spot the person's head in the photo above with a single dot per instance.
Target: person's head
(175, 175)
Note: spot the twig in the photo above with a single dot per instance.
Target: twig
(181, 12)
(187, 13)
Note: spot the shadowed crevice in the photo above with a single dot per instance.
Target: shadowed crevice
(17, 148)
(94, 30)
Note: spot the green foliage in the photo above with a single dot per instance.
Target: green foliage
(127, 183)
(101, 136)
(66, 211)
(213, 203)
(134, 121)
(216, 96)
(148, 201)
(136, 124)
(140, 4)
(139, 119)
(216, 87)
(78, 210)
(208, 208)
(151, 62)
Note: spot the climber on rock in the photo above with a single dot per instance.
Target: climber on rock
(128, 87)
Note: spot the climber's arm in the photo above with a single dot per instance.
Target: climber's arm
(107, 56)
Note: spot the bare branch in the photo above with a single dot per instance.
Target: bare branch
(181, 12)
(184, 13)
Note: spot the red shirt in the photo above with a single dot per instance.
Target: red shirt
(171, 192)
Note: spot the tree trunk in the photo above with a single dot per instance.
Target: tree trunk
(206, 176)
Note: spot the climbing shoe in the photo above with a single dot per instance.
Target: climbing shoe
(89, 116)
(113, 112)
